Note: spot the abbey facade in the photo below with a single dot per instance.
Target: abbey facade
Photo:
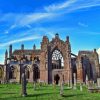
(48, 64)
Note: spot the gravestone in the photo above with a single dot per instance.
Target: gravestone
(87, 80)
(81, 89)
(61, 85)
(34, 85)
(74, 81)
(54, 84)
(24, 83)
(92, 88)
(98, 82)
(90, 85)
(61, 88)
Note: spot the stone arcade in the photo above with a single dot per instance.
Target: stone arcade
(47, 64)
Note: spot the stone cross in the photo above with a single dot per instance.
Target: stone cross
(24, 83)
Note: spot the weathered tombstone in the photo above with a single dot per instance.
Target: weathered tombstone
(24, 83)
(81, 89)
(98, 82)
(87, 80)
(74, 81)
(34, 85)
(61, 86)
(90, 85)
(35, 75)
(54, 85)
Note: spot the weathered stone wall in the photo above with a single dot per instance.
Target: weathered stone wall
(94, 63)
(45, 65)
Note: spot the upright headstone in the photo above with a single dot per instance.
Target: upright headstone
(90, 85)
(61, 88)
(24, 83)
(87, 80)
(34, 85)
(81, 89)
(61, 85)
(74, 81)
(98, 82)
(54, 84)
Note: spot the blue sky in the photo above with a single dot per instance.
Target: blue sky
(26, 21)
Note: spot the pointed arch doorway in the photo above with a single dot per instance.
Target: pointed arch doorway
(56, 79)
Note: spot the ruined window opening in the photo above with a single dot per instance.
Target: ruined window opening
(57, 59)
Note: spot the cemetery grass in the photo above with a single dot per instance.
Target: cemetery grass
(45, 92)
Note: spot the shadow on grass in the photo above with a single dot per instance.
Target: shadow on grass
(37, 95)
(43, 89)
(8, 93)
(72, 95)
(67, 89)
(28, 96)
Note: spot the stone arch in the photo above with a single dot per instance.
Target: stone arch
(57, 48)
(60, 47)
(87, 69)
(56, 78)
(74, 69)
(36, 72)
(27, 71)
(13, 72)
(57, 59)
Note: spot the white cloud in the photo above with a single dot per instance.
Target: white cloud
(82, 24)
(72, 5)
(30, 18)
(20, 40)
(20, 20)
(48, 12)
(13, 26)
(7, 31)
(45, 31)
(59, 6)
(88, 4)
(29, 26)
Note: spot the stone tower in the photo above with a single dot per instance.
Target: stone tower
(47, 50)
(34, 47)
(6, 56)
(10, 51)
(22, 47)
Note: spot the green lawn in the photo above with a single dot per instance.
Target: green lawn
(13, 92)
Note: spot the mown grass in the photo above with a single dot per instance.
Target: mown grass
(45, 92)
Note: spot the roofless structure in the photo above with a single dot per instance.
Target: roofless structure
(52, 61)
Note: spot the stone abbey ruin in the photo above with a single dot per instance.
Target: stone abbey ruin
(52, 61)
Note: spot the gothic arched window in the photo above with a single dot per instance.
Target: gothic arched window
(12, 72)
(58, 58)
